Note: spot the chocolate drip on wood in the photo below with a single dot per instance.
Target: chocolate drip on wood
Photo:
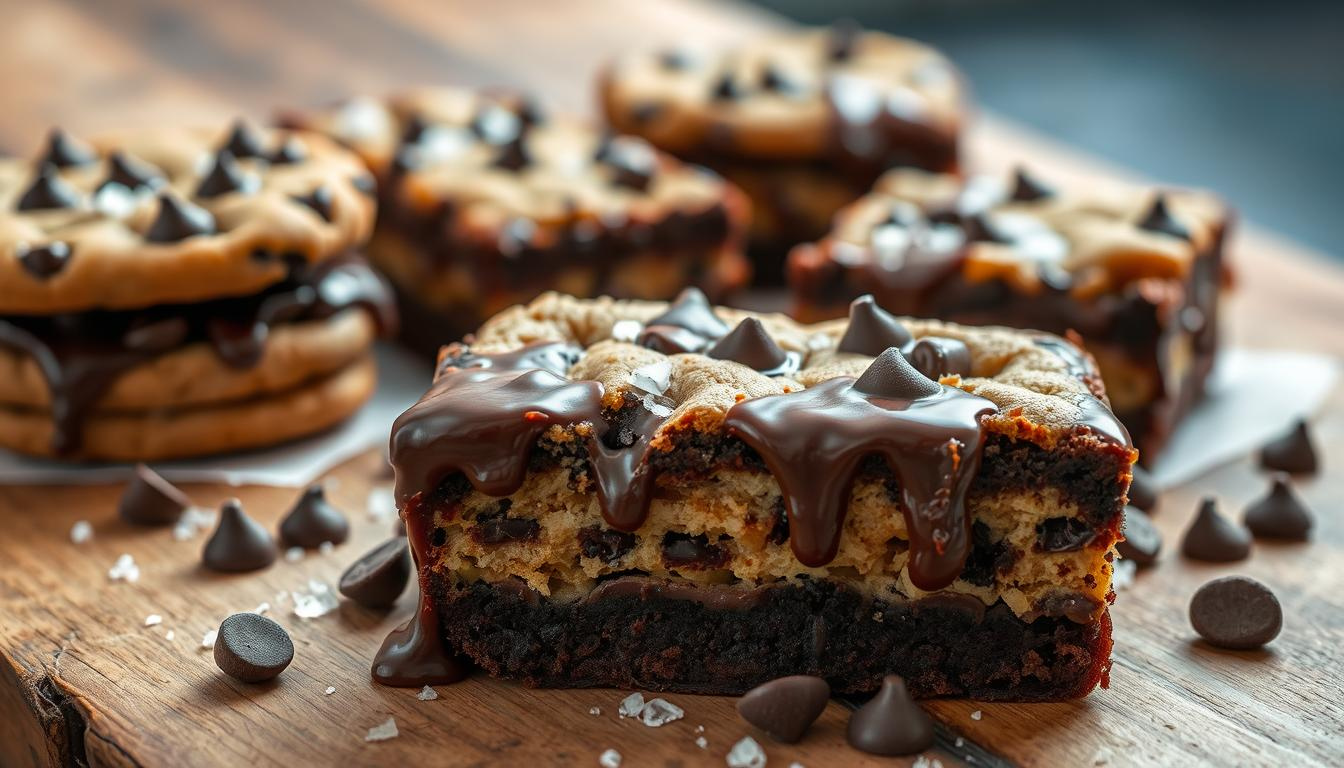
(814, 441)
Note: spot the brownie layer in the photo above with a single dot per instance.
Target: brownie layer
(637, 633)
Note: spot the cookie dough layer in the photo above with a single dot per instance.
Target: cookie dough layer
(309, 408)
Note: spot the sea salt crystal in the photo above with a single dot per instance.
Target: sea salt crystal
(193, 521)
(330, 690)
(153, 620)
(81, 532)
(926, 762)
(659, 712)
(626, 330)
(594, 711)
(318, 601)
(651, 404)
(361, 118)
(383, 731)
(702, 742)
(654, 377)
(960, 742)
(699, 729)
(125, 570)
(1125, 570)
(427, 694)
(977, 714)
(610, 759)
(381, 504)
(261, 609)
(170, 635)
(746, 754)
(208, 640)
(326, 547)
(293, 554)
(631, 705)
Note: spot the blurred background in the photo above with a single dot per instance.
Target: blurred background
(1243, 97)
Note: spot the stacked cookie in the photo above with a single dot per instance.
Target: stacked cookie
(184, 293)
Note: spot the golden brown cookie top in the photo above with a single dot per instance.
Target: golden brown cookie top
(803, 94)
(1045, 388)
(1027, 231)
(173, 216)
(508, 171)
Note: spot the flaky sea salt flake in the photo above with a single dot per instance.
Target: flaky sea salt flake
(631, 705)
(702, 742)
(125, 570)
(81, 532)
(658, 712)
(746, 754)
(654, 377)
(318, 601)
(153, 620)
(208, 639)
(293, 554)
(381, 504)
(193, 521)
(383, 731)
(1125, 570)
(977, 714)
(610, 759)
(427, 694)
(595, 711)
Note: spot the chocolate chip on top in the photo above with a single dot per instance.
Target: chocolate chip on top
(692, 311)
(313, 521)
(1280, 514)
(48, 191)
(892, 376)
(1159, 219)
(64, 151)
(1027, 188)
(1213, 538)
(319, 200)
(131, 173)
(750, 344)
(243, 141)
(224, 176)
(871, 329)
(46, 260)
(892, 723)
(179, 220)
(239, 543)
(936, 357)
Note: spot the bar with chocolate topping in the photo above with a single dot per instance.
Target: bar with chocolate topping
(689, 498)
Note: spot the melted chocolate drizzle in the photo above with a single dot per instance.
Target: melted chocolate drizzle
(82, 355)
(930, 436)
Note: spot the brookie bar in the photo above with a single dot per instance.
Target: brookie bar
(486, 202)
(632, 494)
(1134, 271)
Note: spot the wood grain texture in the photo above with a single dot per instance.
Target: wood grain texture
(83, 681)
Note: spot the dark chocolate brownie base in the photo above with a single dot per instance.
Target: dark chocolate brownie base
(630, 634)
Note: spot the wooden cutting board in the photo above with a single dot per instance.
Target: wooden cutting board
(84, 681)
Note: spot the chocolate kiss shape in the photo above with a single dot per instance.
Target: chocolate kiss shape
(225, 176)
(891, 376)
(1213, 538)
(692, 312)
(786, 707)
(319, 200)
(63, 151)
(1292, 452)
(1279, 515)
(413, 129)
(150, 500)
(312, 522)
(243, 141)
(1142, 490)
(1027, 188)
(378, 578)
(1142, 541)
(512, 156)
(843, 38)
(44, 261)
(750, 345)
(872, 329)
(892, 723)
(726, 88)
(239, 543)
(1159, 219)
(935, 356)
(48, 192)
(289, 152)
(178, 220)
(130, 173)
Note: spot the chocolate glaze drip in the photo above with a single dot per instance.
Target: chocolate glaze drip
(814, 441)
(1096, 415)
(623, 478)
(82, 355)
(554, 356)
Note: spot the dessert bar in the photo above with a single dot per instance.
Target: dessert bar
(804, 121)
(678, 497)
(1135, 271)
(486, 202)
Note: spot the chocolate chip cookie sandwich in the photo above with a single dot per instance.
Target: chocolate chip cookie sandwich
(486, 202)
(1134, 270)
(638, 495)
(804, 121)
(183, 293)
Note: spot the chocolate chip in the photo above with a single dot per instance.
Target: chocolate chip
(48, 192)
(239, 543)
(843, 39)
(786, 707)
(44, 261)
(494, 124)
(1236, 613)
(63, 151)
(156, 335)
(892, 376)
(750, 345)
(726, 88)
(320, 200)
(646, 111)
(1064, 534)
(774, 79)
(148, 499)
(512, 156)
(1142, 541)
(779, 527)
(223, 177)
(1142, 490)
(179, 220)
(872, 330)
(1159, 219)
(674, 60)
(378, 578)
(633, 161)
(252, 648)
(935, 356)
(529, 111)
(978, 228)
(503, 529)
(605, 544)
(692, 312)
(1280, 514)
(1213, 538)
(243, 141)
(892, 723)
(670, 340)
(413, 129)
(290, 151)
(313, 522)
(131, 173)
(1292, 452)
(682, 550)
(365, 184)
(1027, 188)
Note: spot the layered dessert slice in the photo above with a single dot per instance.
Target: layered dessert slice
(1135, 271)
(679, 497)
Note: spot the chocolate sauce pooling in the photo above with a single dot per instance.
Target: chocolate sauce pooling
(82, 355)
(814, 441)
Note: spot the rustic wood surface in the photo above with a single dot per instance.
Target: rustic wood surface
(83, 681)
